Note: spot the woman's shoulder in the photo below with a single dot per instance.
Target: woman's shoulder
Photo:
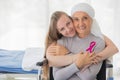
(65, 40)
(98, 40)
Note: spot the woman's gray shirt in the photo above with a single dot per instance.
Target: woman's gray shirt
(76, 45)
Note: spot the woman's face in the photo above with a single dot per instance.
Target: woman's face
(82, 22)
(65, 26)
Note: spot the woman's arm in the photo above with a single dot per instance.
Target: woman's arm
(109, 51)
(65, 73)
(70, 70)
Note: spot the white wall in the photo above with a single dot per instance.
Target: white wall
(23, 23)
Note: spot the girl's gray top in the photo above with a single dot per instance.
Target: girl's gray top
(76, 45)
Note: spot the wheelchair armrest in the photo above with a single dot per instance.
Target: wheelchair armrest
(109, 65)
(43, 62)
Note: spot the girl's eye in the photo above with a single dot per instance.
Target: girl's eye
(61, 29)
(68, 23)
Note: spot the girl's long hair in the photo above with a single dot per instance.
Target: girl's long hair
(52, 36)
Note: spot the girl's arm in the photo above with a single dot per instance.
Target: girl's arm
(57, 56)
(109, 50)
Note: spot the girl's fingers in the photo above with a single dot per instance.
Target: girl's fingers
(94, 62)
(97, 59)
(52, 48)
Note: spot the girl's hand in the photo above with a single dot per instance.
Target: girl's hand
(61, 50)
(57, 50)
(51, 49)
(97, 59)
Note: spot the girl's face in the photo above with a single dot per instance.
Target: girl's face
(65, 26)
(82, 22)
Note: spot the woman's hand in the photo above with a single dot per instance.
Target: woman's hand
(83, 59)
(57, 50)
(97, 59)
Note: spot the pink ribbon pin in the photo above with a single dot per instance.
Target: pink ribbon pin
(92, 45)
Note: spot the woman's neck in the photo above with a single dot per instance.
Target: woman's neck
(83, 35)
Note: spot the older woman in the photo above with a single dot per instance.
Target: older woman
(84, 41)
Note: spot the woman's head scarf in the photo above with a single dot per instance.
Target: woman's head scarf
(84, 7)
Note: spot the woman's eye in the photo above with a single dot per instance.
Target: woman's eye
(85, 18)
(76, 19)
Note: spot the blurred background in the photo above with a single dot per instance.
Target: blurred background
(24, 23)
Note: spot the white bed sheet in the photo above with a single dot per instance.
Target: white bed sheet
(31, 57)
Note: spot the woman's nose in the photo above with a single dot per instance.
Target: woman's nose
(80, 23)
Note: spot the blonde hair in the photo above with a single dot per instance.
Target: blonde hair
(52, 36)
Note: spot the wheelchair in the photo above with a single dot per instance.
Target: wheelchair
(100, 76)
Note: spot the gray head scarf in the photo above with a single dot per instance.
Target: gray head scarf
(84, 7)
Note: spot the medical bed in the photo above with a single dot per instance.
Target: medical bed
(18, 63)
